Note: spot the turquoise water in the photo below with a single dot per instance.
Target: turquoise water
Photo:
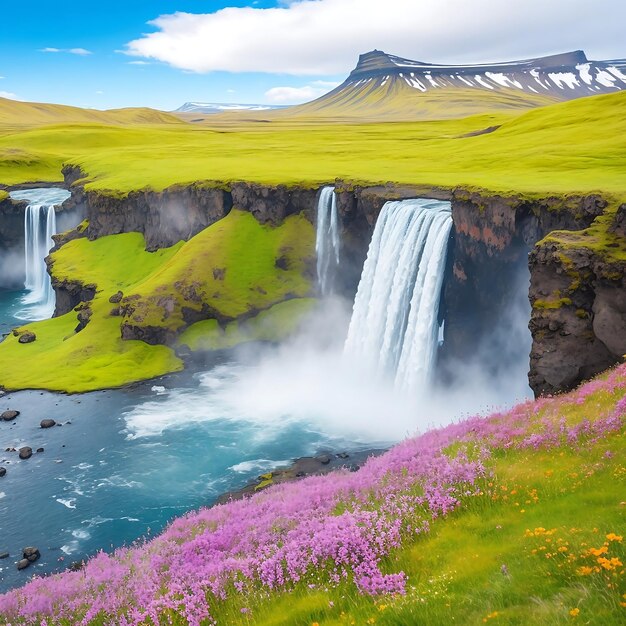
(125, 462)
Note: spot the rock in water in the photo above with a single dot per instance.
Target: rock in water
(31, 554)
(4, 555)
(25, 452)
(3, 472)
(47, 423)
(27, 337)
(23, 564)
(7, 416)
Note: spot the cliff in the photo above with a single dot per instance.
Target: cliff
(578, 293)
(492, 237)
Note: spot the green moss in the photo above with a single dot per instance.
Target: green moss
(275, 324)
(4, 195)
(229, 270)
(96, 357)
(552, 304)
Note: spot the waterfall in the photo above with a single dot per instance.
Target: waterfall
(327, 239)
(39, 226)
(394, 326)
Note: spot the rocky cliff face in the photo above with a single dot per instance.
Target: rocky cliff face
(492, 237)
(578, 293)
(182, 211)
(11, 243)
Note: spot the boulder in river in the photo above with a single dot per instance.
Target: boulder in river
(3, 472)
(31, 553)
(27, 337)
(8, 416)
(25, 452)
(4, 555)
(47, 423)
(23, 564)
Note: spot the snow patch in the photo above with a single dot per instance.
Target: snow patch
(567, 78)
(584, 69)
(481, 81)
(606, 79)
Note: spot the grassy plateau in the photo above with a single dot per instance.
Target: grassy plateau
(578, 146)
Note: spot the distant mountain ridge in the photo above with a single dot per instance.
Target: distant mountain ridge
(219, 107)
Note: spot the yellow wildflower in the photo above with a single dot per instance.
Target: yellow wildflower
(574, 612)
(614, 537)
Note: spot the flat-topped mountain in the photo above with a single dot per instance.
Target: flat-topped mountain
(384, 86)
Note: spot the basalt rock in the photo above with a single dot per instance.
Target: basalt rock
(578, 322)
(27, 337)
(47, 423)
(9, 416)
(25, 453)
(70, 293)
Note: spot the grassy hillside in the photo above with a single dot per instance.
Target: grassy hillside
(229, 270)
(579, 146)
(394, 100)
(25, 114)
(234, 269)
(513, 519)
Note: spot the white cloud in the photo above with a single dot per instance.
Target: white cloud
(77, 51)
(138, 63)
(295, 95)
(9, 95)
(324, 37)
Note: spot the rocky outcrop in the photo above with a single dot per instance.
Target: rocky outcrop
(180, 212)
(578, 293)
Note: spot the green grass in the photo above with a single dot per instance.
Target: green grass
(486, 563)
(274, 324)
(96, 357)
(578, 146)
(228, 270)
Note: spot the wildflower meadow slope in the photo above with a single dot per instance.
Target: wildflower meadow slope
(515, 518)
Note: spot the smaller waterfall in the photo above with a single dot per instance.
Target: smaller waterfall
(394, 325)
(327, 239)
(39, 226)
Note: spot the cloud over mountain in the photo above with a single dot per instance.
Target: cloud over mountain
(324, 37)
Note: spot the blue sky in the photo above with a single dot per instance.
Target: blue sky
(277, 51)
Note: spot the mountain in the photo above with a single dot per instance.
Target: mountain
(210, 108)
(16, 113)
(384, 86)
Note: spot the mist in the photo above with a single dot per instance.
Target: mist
(309, 380)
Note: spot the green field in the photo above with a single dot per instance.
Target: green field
(578, 146)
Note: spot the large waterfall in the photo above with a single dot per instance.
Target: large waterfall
(39, 226)
(327, 239)
(394, 326)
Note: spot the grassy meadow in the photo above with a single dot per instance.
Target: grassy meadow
(577, 146)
